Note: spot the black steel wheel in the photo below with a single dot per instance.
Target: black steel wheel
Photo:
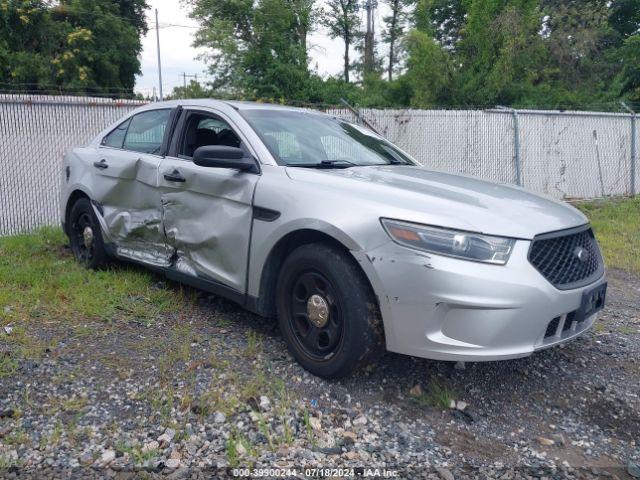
(316, 315)
(327, 312)
(85, 235)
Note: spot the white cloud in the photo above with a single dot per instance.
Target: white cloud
(178, 54)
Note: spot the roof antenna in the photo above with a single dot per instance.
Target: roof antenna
(359, 116)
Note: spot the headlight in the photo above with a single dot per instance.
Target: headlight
(452, 243)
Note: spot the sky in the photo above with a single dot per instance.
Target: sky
(178, 56)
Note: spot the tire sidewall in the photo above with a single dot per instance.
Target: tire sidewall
(358, 308)
(83, 205)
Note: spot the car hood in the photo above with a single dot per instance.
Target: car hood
(454, 201)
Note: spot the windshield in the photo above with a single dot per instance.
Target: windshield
(310, 140)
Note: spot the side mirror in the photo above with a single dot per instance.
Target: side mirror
(220, 156)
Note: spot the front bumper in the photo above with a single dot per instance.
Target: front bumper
(449, 309)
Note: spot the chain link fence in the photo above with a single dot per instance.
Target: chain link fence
(35, 133)
(566, 155)
(471, 142)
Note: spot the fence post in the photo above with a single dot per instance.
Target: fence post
(634, 147)
(516, 142)
(634, 153)
(516, 146)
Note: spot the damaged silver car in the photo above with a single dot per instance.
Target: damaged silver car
(335, 231)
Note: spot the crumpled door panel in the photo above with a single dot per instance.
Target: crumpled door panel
(207, 220)
(131, 210)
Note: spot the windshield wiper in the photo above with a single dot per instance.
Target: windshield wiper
(325, 164)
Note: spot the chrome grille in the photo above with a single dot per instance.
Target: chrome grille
(557, 257)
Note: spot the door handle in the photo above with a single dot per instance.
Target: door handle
(174, 176)
(102, 164)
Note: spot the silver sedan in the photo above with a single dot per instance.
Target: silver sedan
(335, 231)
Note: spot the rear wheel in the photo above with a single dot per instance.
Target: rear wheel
(85, 235)
(327, 312)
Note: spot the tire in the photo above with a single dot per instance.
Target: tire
(85, 235)
(327, 312)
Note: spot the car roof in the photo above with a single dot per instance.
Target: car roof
(235, 104)
(241, 105)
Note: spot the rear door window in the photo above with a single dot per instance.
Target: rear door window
(146, 131)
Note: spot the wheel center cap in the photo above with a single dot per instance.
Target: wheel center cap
(87, 235)
(318, 310)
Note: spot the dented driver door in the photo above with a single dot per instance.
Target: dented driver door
(207, 212)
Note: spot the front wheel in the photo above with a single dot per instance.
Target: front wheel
(327, 312)
(85, 235)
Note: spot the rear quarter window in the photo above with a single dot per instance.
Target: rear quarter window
(116, 138)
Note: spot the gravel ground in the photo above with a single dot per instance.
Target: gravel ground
(196, 394)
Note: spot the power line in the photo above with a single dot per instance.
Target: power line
(185, 76)
(172, 25)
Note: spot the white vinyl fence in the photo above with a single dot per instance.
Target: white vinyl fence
(565, 155)
(35, 133)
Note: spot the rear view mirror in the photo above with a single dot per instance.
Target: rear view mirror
(220, 156)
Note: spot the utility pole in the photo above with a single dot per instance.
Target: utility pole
(184, 80)
(159, 63)
(185, 76)
(369, 37)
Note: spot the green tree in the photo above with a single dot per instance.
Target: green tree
(499, 51)
(133, 11)
(625, 21)
(257, 49)
(579, 40)
(103, 44)
(27, 37)
(395, 24)
(193, 89)
(629, 78)
(429, 71)
(81, 45)
(445, 19)
(523, 53)
(591, 48)
(342, 20)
